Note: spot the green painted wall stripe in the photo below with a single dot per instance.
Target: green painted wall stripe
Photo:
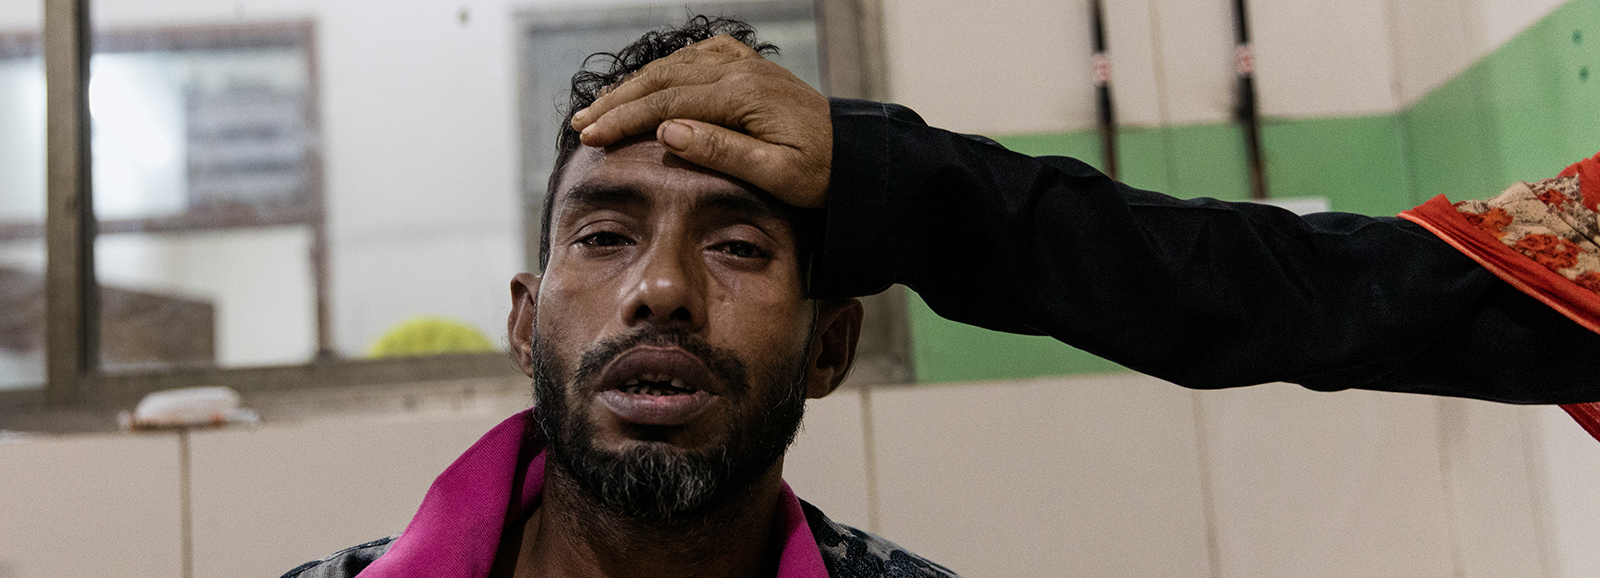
(1357, 163)
(946, 351)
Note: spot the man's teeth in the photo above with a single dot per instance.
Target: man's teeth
(656, 384)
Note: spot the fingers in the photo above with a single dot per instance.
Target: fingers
(724, 44)
(786, 172)
(690, 65)
(645, 114)
(643, 84)
(720, 105)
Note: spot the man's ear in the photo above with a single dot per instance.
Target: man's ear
(833, 345)
(519, 326)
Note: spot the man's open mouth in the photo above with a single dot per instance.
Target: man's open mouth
(656, 386)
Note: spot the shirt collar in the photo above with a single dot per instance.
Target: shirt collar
(457, 529)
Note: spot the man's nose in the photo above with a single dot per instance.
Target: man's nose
(669, 289)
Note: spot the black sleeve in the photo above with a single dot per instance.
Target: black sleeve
(1203, 293)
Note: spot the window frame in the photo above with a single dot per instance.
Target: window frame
(308, 211)
(78, 396)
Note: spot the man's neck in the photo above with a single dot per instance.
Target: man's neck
(572, 536)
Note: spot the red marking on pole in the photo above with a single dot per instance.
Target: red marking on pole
(1244, 60)
(1102, 69)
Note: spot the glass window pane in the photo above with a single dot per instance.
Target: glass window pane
(207, 195)
(22, 186)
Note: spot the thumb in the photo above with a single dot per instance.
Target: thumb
(777, 169)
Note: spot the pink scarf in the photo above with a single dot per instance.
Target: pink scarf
(457, 529)
(1543, 238)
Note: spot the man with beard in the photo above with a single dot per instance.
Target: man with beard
(672, 346)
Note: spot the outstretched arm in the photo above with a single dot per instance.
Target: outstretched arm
(1203, 293)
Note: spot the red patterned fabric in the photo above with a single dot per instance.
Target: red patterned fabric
(1543, 238)
(1587, 171)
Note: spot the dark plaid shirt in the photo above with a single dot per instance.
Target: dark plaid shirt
(848, 553)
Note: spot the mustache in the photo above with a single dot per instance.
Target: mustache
(724, 365)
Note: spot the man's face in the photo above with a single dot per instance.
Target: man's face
(672, 345)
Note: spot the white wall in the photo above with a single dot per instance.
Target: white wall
(120, 493)
(1567, 467)
(1317, 485)
(1064, 477)
(1317, 58)
(1195, 73)
(1128, 476)
(1022, 66)
(1104, 476)
(1000, 67)
(1435, 40)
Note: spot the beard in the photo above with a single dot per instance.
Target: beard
(655, 482)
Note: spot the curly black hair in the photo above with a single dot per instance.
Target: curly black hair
(605, 69)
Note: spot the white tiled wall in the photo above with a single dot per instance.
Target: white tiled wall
(1063, 477)
(1489, 468)
(1567, 468)
(1317, 58)
(90, 506)
(827, 464)
(1316, 485)
(268, 499)
(1104, 476)
(1003, 67)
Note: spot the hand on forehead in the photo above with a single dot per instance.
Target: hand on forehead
(719, 104)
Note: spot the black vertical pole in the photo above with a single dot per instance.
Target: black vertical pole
(1102, 82)
(1248, 112)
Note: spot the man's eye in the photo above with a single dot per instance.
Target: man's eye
(742, 250)
(603, 240)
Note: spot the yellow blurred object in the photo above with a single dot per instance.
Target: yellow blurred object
(430, 336)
